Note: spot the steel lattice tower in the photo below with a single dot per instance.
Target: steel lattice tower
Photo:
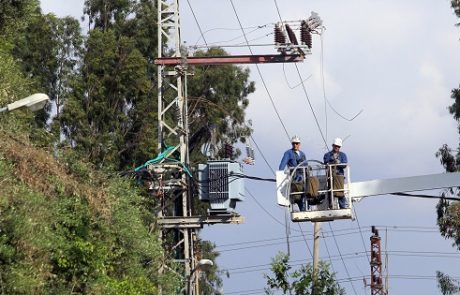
(173, 126)
(376, 265)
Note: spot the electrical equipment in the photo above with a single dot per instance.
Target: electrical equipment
(221, 184)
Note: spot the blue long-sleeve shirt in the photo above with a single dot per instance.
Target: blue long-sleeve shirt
(291, 159)
(330, 158)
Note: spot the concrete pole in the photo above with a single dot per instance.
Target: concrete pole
(317, 230)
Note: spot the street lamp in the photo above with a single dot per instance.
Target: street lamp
(204, 265)
(34, 102)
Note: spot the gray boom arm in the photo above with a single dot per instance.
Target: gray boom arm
(404, 184)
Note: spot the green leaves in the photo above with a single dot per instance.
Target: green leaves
(447, 285)
(300, 281)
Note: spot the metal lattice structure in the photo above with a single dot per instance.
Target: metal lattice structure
(173, 130)
(178, 225)
(377, 287)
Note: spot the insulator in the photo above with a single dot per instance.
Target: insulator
(291, 35)
(177, 113)
(228, 150)
(280, 38)
(305, 34)
(249, 152)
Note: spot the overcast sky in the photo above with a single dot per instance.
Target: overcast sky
(398, 62)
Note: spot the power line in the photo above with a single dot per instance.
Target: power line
(311, 107)
(198, 24)
(327, 234)
(341, 257)
(359, 278)
(361, 233)
(328, 253)
(229, 29)
(259, 71)
(326, 100)
(305, 239)
(219, 43)
(262, 207)
(346, 256)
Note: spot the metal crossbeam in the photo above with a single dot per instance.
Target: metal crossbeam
(235, 59)
(198, 221)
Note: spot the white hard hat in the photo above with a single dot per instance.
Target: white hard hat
(295, 138)
(337, 142)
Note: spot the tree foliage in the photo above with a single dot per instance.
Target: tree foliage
(49, 48)
(103, 86)
(456, 6)
(218, 98)
(74, 231)
(449, 212)
(300, 281)
(447, 285)
(112, 101)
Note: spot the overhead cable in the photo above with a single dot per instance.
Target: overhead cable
(259, 71)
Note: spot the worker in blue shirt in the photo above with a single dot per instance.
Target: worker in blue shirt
(292, 158)
(338, 160)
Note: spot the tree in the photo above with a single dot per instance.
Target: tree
(209, 281)
(456, 6)
(49, 49)
(300, 281)
(106, 105)
(218, 100)
(449, 212)
(110, 115)
(447, 285)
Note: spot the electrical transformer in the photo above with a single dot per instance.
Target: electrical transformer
(221, 184)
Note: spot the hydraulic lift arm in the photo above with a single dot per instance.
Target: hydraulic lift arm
(363, 189)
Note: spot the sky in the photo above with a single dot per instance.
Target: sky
(397, 61)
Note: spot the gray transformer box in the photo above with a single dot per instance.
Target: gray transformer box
(221, 184)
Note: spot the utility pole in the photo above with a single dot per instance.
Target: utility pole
(377, 287)
(173, 124)
(317, 230)
(178, 224)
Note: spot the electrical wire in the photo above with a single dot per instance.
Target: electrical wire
(198, 24)
(271, 99)
(326, 100)
(347, 256)
(262, 207)
(262, 154)
(361, 234)
(305, 239)
(287, 80)
(327, 234)
(311, 107)
(341, 257)
(328, 253)
(228, 29)
(232, 39)
(259, 71)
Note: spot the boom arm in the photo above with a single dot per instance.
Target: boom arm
(403, 184)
